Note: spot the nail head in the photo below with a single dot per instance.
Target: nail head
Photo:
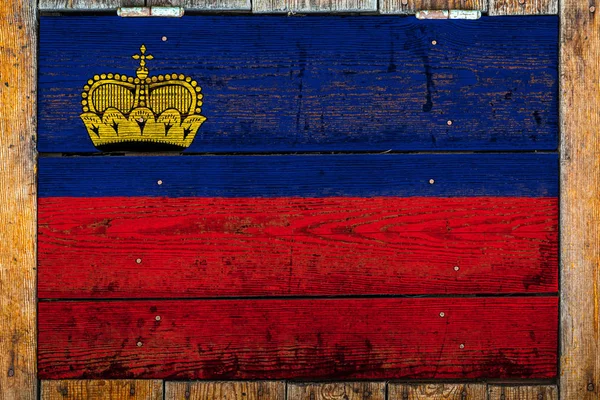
(442, 314)
(431, 181)
(139, 344)
(164, 38)
(159, 182)
(434, 42)
(449, 122)
(592, 9)
(157, 318)
(139, 261)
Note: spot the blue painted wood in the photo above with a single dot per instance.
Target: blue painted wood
(466, 175)
(273, 83)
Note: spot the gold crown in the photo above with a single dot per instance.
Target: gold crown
(143, 113)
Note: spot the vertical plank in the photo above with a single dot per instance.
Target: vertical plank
(580, 200)
(337, 391)
(205, 5)
(83, 5)
(412, 6)
(102, 389)
(549, 392)
(523, 7)
(309, 6)
(17, 199)
(248, 390)
(438, 391)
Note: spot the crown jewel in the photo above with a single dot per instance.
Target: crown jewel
(143, 113)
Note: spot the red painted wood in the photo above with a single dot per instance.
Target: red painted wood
(211, 247)
(503, 338)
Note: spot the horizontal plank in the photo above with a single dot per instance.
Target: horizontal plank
(86, 5)
(313, 6)
(320, 83)
(336, 391)
(204, 5)
(367, 175)
(437, 391)
(412, 6)
(523, 392)
(192, 247)
(89, 389)
(523, 7)
(426, 338)
(247, 390)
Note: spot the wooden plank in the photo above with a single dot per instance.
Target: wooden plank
(319, 83)
(312, 6)
(580, 201)
(18, 37)
(102, 390)
(523, 7)
(366, 175)
(412, 6)
(336, 391)
(248, 390)
(86, 5)
(367, 338)
(196, 247)
(548, 392)
(204, 5)
(437, 391)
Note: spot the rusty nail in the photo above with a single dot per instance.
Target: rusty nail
(502, 396)
(431, 181)
(139, 344)
(590, 387)
(132, 390)
(442, 314)
(540, 396)
(11, 372)
(592, 9)
(157, 318)
(187, 394)
(64, 391)
(464, 395)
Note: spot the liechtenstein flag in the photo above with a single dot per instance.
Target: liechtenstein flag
(264, 197)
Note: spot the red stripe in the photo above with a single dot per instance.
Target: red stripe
(205, 247)
(501, 338)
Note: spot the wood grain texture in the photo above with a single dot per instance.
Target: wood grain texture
(580, 201)
(549, 392)
(89, 389)
(18, 43)
(437, 391)
(204, 5)
(313, 6)
(341, 175)
(523, 7)
(83, 5)
(336, 391)
(320, 83)
(247, 390)
(412, 6)
(163, 248)
(421, 338)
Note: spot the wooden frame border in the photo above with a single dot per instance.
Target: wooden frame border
(580, 200)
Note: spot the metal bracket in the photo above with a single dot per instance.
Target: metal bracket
(448, 14)
(170, 12)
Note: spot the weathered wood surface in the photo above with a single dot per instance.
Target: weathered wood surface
(424, 338)
(366, 175)
(312, 6)
(580, 201)
(248, 390)
(523, 7)
(336, 391)
(321, 83)
(412, 6)
(18, 39)
(549, 392)
(437, 391)
(83, 5)
(90, 389)
(195, 247)
(204, 5)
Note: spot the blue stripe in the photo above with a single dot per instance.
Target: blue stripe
(465, 175)
(368, 83)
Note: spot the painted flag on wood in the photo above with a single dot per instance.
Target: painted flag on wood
(319, 197)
